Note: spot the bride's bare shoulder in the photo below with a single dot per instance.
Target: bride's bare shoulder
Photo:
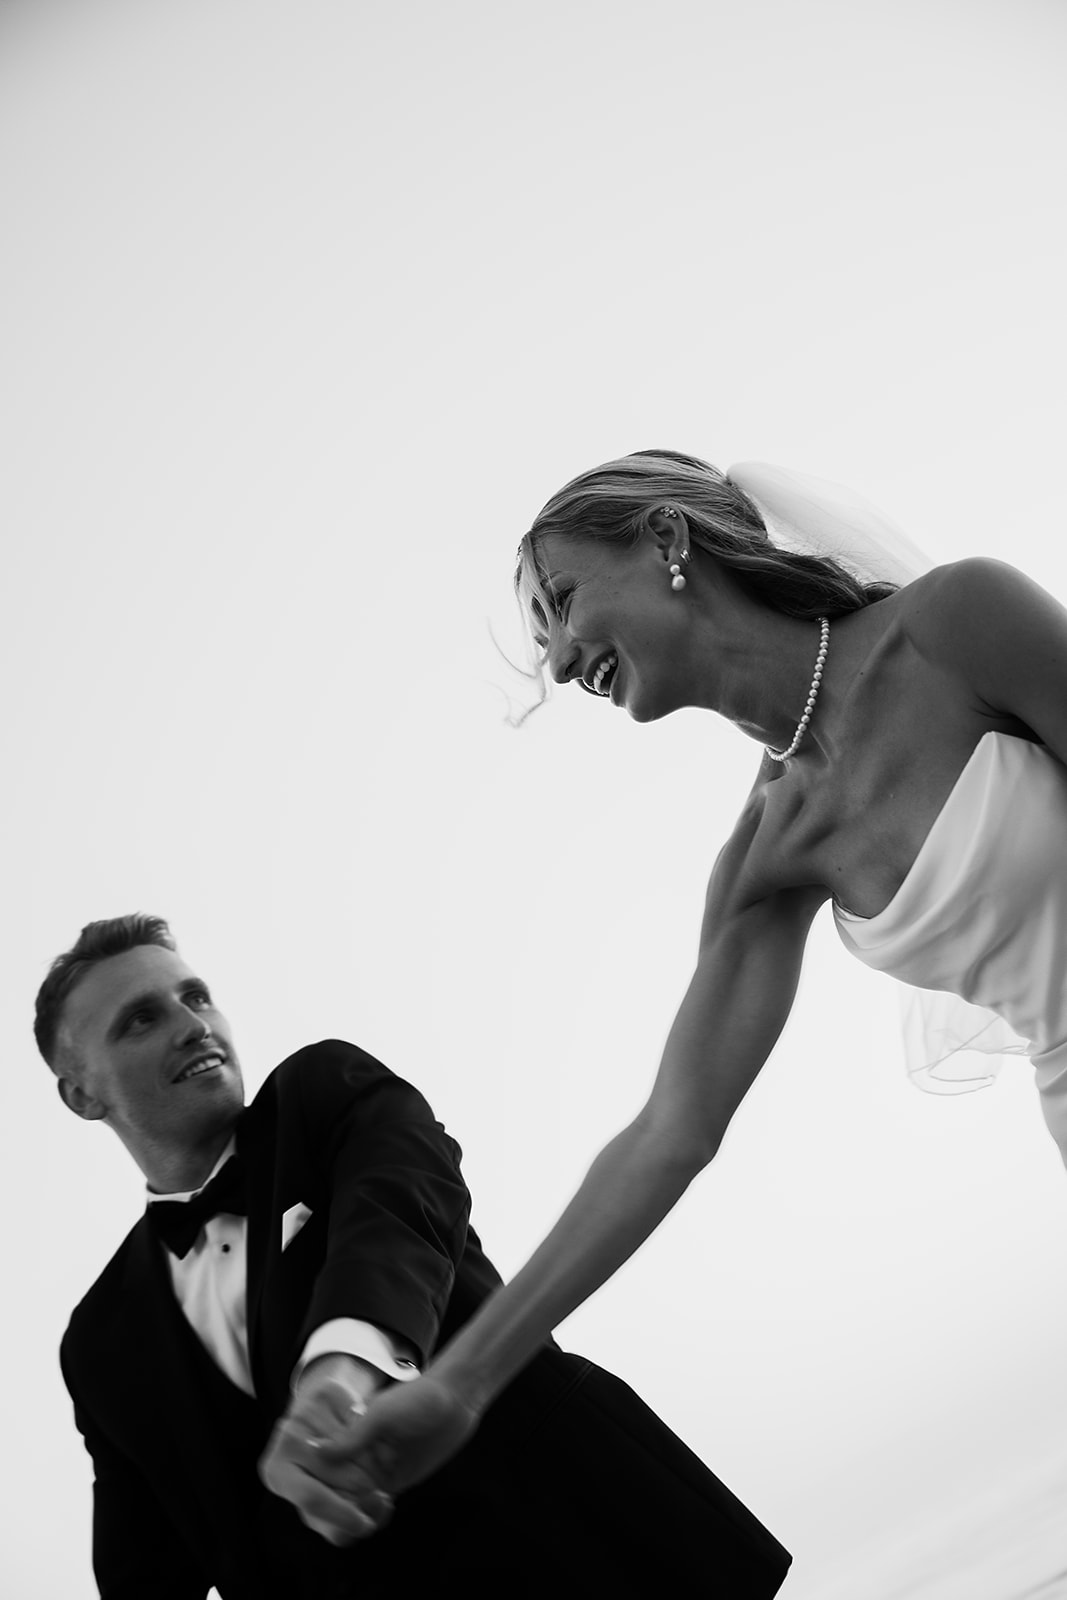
(971, 580)
(952, 606)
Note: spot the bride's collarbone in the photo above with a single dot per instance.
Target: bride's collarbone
(853, 812)
(886, 746)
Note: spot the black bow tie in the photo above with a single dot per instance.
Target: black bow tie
(178, 1222)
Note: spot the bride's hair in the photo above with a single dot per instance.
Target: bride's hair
(614, 503)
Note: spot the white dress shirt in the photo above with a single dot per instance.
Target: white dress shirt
(210, 1286)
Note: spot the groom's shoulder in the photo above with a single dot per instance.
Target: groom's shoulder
(328, 1064)
(106, 1295)
(334, 1075)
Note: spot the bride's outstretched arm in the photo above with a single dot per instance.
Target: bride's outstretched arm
(731, 1016)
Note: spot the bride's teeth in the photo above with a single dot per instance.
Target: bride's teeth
(606, 666)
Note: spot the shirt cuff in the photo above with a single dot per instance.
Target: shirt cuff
(350, 1337)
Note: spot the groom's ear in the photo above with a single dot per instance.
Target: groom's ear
(76, 1099)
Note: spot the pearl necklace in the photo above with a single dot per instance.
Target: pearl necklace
(813, 695)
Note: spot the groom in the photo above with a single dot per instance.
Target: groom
(312, 1247)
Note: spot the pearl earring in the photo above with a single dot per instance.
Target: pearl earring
(677, 581)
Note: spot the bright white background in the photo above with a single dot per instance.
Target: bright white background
(306, 309)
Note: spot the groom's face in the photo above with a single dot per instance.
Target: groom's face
(144, 1047)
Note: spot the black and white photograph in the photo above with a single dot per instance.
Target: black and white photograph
(535, 827)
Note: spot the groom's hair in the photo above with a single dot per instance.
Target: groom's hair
(96, 942)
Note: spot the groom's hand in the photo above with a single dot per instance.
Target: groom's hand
(308, 1460)
(409, 1432)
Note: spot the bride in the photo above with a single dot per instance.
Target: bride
(914, 742)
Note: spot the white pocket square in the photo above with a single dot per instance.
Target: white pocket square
(292, 1222)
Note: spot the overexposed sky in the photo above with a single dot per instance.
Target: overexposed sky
(307, 308)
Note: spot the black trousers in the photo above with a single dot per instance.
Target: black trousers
(575, 1488)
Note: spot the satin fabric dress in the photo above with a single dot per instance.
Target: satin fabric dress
(981, 920)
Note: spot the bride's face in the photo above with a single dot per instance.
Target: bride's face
(610, 621)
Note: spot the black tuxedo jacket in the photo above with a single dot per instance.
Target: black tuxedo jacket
(570, 1481)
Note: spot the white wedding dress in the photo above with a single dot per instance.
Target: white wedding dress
(978, 928)
(982, 915)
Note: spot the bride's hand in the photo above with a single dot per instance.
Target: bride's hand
(409, 1431)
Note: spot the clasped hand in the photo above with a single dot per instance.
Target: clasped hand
(309, 1459)
(340, 1462)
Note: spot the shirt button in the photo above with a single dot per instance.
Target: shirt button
(225, 1249)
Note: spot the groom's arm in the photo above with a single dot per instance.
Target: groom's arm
(398, 1204)
(398, 1211)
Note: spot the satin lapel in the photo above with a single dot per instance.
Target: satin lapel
(255, 1146)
